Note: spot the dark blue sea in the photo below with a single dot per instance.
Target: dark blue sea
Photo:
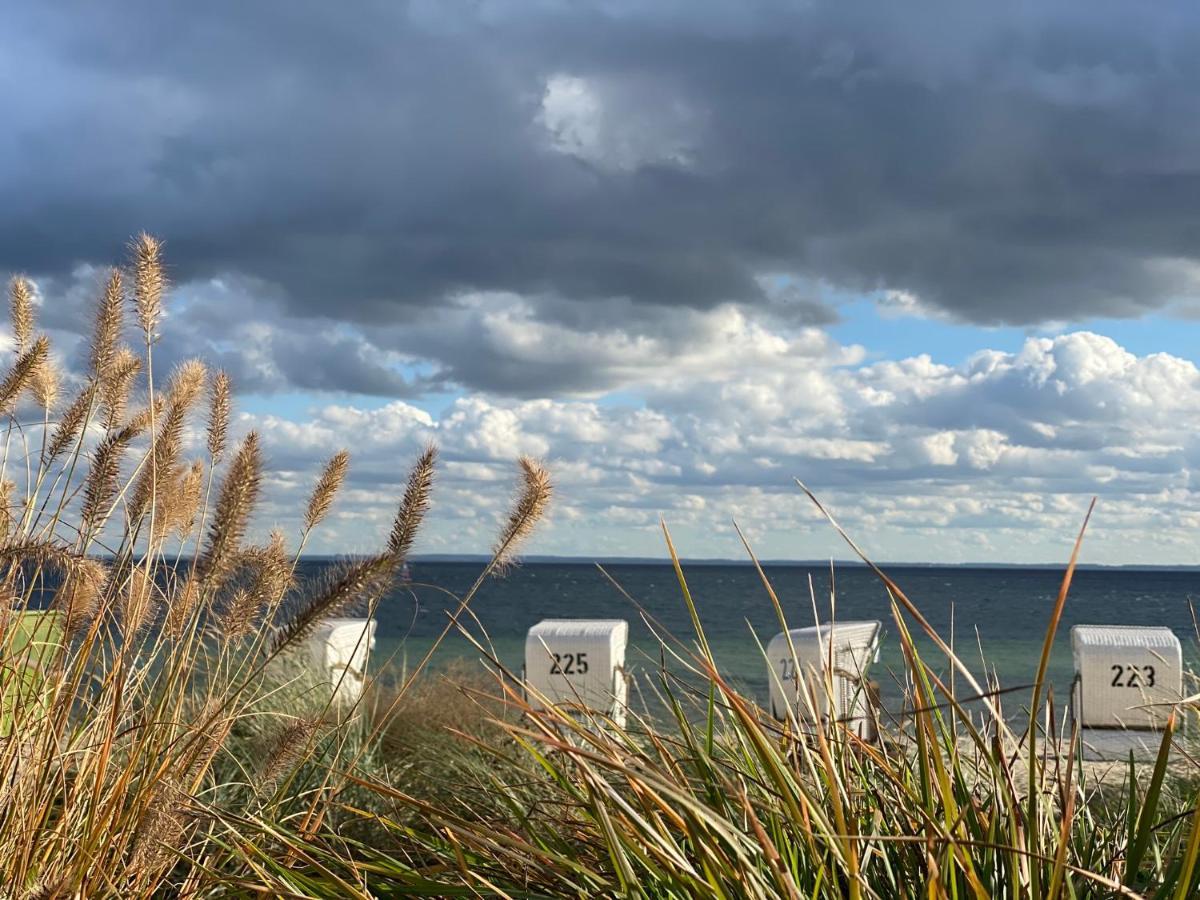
(997, 617)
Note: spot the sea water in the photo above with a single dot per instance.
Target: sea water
(996, 617)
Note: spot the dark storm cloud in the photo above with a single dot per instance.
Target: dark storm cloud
(1006, 163)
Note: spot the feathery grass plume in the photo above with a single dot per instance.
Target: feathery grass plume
(22, 373)
(78, 597)
(220, 404)
(157, 479)
(186, 383)
(181, 607)
(116, 384)
(187, 502)
(270, 575)
(288, 748)
(361, 582)
(45, 384)
(109, 320)
(235, 502)
(142, 418)
(20, 299)
(137, 602)
(413, 505)
(535, 493)
(100, 487)
(326, 489)
(69, 425)
(149, 281)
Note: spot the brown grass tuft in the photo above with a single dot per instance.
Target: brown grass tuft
(235, 502)
(270, 575)
(101, 486)
(20, 298)
(182, 606)
(158, 479)
(535, 492)
(149, 281)
(137, 603)
(413, 505)
(326, 489)
(220, 404)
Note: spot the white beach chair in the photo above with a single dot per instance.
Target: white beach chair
(1126, 679)
(578, 662)
(339, 651)
(849, 648)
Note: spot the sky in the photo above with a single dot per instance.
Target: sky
(940, 261)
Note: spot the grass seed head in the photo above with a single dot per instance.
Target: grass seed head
(20, 299)
(106, 333)
(327, 486)
(149, 281)
(414, 505)
(533, 498)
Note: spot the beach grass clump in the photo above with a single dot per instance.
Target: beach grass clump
(707, 795)
(150, 650)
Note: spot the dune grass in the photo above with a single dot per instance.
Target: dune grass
(153, 699)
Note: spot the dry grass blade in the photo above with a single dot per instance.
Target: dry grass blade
(220, 405)
(414, 505)
(238, 495)
(20, 299)
(7, 488)
(22, 373)
(149, 281)
(326, 488)
(358, 583)
(536, 490)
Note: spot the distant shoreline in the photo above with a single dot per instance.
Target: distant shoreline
(789, 563)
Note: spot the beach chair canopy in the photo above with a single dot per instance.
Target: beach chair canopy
(1126, 676)
(799, 657)
(579, 662)
(339, 650)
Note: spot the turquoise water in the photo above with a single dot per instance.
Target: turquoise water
(1004, 610)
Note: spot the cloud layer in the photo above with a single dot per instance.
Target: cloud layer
(1014, 163)
(995, 459)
